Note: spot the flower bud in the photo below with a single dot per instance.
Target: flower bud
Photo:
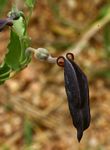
(41, 54)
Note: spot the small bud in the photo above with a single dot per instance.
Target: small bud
(41, 54)
(15, 15)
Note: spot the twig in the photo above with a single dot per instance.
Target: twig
(82, 43)
(43, 54)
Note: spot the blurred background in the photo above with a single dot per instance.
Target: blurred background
(34, 113)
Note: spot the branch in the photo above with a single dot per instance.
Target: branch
(81, 44)
(43, 54)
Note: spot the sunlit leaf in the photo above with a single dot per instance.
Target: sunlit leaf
(25, 42)
(16, 57)
(4, 69)
(19, 26)
(4, 73)
(14, 51)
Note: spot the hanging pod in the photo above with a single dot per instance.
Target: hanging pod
(76, 86)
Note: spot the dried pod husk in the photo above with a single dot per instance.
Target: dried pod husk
(5, 22)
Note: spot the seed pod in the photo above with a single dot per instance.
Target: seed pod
(73, 95)
(71, 83)
(84, 93)
(76, 86)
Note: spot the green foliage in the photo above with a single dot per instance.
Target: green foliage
(12, 58)
(19, 26)
(5, 71)
(16, 57)
(2, 5)
(28, 131)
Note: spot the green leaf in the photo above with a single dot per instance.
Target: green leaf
(25, 58)
(19, 26)
(16, 58)
(107, 39)
(30, 3)
(4, 73)
(4, 70)
(2, 5)
(24, 44)
(12, 58)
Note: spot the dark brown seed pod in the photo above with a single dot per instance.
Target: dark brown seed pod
(76, 86)
(71, 83)
(60, 61)
(84, 93)
(73, 96)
